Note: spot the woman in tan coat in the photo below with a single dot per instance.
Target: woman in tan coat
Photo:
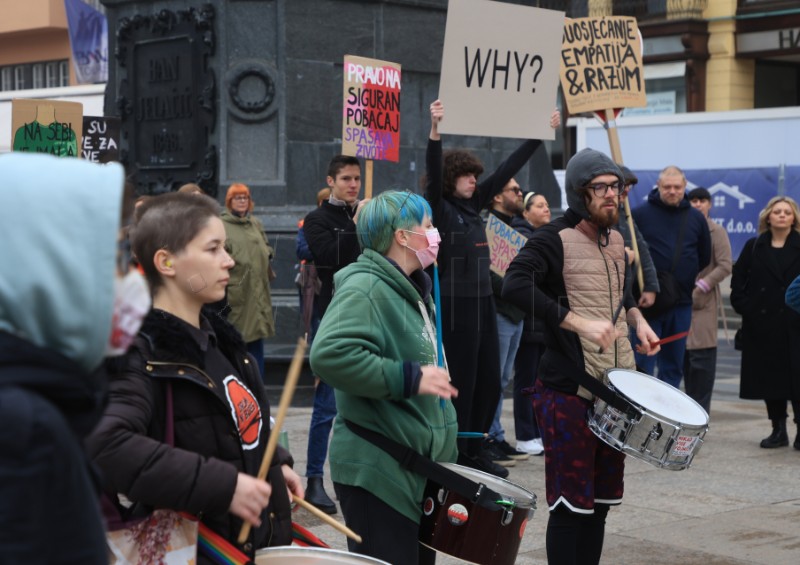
(700, 361)
(249, 288)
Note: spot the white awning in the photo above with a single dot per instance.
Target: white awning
(665, 70)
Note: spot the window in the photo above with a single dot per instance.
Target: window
(719, 201)
(38, 75)
(6, 78)
(63, 73)
(41, 74)
(19, 77)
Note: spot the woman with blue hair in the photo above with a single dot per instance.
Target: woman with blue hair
(377, 347)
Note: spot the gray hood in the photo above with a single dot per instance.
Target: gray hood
(583, 167)
(59, 219)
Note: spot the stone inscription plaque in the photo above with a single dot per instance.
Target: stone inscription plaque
(167, 99)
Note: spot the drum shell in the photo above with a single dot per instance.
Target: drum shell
(453, 524)
(312, 556)
(647, 435)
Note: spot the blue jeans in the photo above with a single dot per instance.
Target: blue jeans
(320, 429)
(508, 334)
(670, 358)
(256, 349)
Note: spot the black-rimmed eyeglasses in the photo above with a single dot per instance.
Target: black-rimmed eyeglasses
(601, 188)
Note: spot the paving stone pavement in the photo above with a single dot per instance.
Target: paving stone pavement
(737, 505)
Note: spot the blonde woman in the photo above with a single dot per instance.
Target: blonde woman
(770, 330)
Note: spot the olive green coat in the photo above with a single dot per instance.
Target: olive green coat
(248, 290)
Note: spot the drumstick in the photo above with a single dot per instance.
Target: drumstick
(669, 339)
(286, 399)
(327, 519)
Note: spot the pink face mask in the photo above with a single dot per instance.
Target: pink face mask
(428, 255)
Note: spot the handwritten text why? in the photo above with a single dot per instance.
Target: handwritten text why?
(501, 66)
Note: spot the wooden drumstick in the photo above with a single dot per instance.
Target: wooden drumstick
(327, 519)
(286, 399)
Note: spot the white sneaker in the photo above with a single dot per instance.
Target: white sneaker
(532, 446)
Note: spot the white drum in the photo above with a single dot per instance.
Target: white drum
(666, 427)
(312, 556)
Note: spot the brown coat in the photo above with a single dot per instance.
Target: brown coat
(705, 305)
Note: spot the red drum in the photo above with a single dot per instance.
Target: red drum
(312, 556)
(455, 525)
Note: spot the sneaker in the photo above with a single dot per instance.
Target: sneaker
(491, 451)
(532, 446)
(511, 452)
(481, 463)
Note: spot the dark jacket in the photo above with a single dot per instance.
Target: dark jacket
(648, 268)
(48, 497)
(660, 225)
(331, 236)
(199, 473)
(464, 251)
(532, 328)
(770, 329)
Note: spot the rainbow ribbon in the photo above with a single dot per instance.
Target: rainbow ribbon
(218, 549)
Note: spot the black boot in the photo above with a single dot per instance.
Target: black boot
(778, 437)
(316, 495)
(797, 439)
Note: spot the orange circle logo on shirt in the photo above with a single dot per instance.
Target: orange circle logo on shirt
(245, 411)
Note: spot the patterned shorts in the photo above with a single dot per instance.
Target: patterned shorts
(580, 469)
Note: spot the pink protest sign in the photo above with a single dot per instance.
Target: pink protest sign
(371, 113)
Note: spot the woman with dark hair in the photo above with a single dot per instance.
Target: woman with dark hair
(469, 316)
(195, 367)
(249, 295)
(377, 347)
(770, 331)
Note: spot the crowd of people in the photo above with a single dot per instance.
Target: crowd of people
(143, 354)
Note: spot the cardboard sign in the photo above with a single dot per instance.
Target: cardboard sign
(601, 64)
(371, 117)
(500, 69)
(504, 244)
(100, 139)
(46, 126)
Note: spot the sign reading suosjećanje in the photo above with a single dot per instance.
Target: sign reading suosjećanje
(601, 64)
(371, 116)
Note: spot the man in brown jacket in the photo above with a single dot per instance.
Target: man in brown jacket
(700, 361)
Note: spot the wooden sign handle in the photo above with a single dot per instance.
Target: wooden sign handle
(616, 155)
(368, 179)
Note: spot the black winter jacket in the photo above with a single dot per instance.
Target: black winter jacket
(198, 475)
(331, 236)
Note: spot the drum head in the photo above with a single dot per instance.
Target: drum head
(521, 497)
(311, 556)
(658, 397)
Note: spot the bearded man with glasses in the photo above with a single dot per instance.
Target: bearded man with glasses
(571, 274)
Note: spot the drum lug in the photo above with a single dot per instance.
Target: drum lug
(655, 434)
(508, 516)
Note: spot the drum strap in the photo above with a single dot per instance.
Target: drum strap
(410, 460)
(593, 385)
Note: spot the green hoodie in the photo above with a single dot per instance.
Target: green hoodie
(372, 326)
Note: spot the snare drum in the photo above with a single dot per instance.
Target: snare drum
(666, 429)
(455, 525)
(311, 556)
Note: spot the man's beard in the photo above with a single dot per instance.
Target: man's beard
(604, 218)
